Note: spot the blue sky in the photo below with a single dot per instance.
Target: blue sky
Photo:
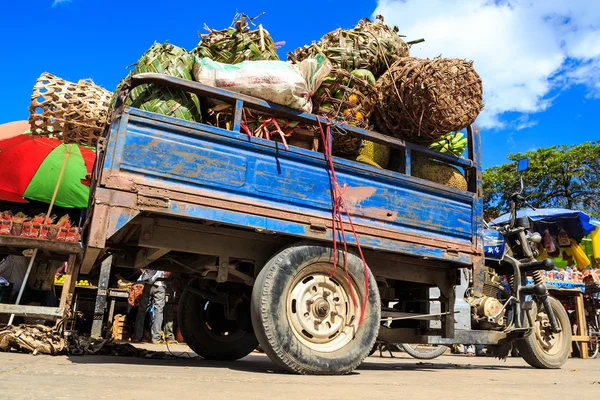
(540, 64)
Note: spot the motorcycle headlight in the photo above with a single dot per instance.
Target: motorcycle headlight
(535, 238)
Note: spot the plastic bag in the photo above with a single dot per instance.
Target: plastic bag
(275, 81)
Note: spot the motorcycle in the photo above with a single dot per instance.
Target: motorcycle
(525, 312)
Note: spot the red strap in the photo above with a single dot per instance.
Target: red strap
(338, 205)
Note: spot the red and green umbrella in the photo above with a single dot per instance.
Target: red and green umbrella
(30, 167)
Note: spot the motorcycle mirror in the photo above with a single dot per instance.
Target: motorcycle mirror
(523, 165)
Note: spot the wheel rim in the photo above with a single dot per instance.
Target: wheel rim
(320, 308)
(550, 342)
(217, 326)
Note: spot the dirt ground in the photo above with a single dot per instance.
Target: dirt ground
(255, 377)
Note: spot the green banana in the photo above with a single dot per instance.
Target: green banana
(453, 143)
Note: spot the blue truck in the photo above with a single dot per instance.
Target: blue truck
(250, 223)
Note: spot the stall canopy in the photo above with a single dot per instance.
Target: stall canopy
(576, 224)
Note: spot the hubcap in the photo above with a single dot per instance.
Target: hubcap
(320, 309)
(549, 341)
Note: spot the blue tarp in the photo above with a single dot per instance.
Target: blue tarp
(576, 223)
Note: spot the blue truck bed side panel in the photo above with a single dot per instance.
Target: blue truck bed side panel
(194, 158)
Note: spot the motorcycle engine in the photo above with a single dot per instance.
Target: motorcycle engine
(487, 312)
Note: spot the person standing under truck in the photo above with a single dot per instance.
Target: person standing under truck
(154, 292)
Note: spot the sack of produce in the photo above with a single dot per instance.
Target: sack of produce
(169, 60)
(348, 98)
(237, 43)
(72, 112)
(370, 45)
(421, 100)
(275, 81)
(439, 172)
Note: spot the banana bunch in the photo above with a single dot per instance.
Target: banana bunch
(452, 143)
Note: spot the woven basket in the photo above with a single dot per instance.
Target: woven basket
(344, 98)
(421, 100)
(72, 112)
(370, 45)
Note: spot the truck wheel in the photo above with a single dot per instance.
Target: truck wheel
(306, 320)
(209, 333)
(543, 348)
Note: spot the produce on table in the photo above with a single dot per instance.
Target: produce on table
(38, 227)
(73, 112)
(439, 172)
(170, 60)
(370, 45)
(453, 143)
(237, 43)
(421, 100)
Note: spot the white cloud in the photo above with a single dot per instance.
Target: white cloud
(522, 49)
(59, 2)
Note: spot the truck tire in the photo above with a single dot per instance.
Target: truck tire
(209, 334)
(307, 321)
(431, 353)
(542, 348)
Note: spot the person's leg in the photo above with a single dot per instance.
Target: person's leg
(168, 328)
(158, 296)
(141, 314)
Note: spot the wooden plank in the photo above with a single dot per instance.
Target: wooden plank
(70, 280)
(44, 245)
(101, 297)
(32, 311)
(581, 324)
(580, 338)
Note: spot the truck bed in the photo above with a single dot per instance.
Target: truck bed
(171, 167)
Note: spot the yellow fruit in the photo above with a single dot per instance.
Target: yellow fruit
(347, 111)
(353, 98)
(359, 116)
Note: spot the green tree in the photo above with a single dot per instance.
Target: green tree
(558, 176)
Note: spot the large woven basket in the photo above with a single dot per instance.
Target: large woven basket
(73, 112)
(421, 100)
(345, 98)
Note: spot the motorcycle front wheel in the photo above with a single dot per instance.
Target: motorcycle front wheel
(543, 348)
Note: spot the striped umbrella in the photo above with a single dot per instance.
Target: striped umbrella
(30, 167)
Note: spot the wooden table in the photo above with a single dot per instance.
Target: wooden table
(61, 251)
(576, 297)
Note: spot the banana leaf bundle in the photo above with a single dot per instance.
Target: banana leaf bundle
(370, 45)
(170, 60)
(237, 43)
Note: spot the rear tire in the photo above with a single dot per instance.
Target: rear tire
(306, 321)
(209, 334)
(542, 348)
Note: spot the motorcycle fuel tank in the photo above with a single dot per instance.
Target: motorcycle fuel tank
(493, 244)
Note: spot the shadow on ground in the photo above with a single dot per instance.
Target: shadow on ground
(259, 363)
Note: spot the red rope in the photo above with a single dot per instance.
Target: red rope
(338, 205)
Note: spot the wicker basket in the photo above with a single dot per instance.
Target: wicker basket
(344, 98)
(422, 100)
(73, 112)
